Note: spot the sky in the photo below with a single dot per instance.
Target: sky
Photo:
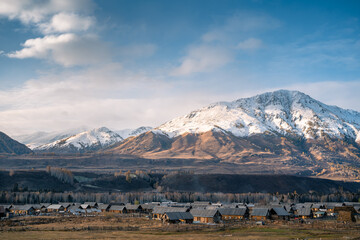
(128, 63)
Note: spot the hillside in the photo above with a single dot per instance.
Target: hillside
(10, 146)
(282, 130)
(91, 140)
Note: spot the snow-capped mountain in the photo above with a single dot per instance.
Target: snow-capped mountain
(283, 112)
(41, 138)
(85, 141)
(125, 133)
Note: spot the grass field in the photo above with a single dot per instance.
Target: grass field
(114, 227)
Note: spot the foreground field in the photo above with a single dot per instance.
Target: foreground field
(115, 227)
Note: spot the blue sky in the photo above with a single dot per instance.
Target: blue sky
(124, 64)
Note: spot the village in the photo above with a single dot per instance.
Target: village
(198, 212)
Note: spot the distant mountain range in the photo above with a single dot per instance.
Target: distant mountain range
(281, 131)
(77, 140)
(10, 146)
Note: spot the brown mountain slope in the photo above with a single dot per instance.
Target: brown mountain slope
(325, 157)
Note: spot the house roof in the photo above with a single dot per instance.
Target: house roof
(162, 210)
(263, 212)
(55, 206)
(117, 207)
(179, 215)
(22, 207)
(203, 212)
(132, 207)
(233, 211)
(305, 211)
(92, 204)
(103, 206)
(280, 211)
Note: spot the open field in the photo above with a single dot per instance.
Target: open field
(115, 227)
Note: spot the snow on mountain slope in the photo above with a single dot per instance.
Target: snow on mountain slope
(284, 112)
(89, 140)
(40, 138)
(125, 133)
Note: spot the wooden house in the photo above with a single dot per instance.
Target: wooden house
(22, 210)
(104, 207)
(177, 217)
(92, 204)
(206, 216)
(304, 212)
(148, 207)
(159, 211)
(345, 213)
(2, 212)
(131, 208)
(234, 214)
(117, 209)
(279, 213)
(260, 214)
(55, 208)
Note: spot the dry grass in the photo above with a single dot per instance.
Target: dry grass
(124, 227)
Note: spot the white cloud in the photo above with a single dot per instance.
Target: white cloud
(35, 11)
(104, 96)
(203, 58)
(67, 22)
(250, 44)
(66, 49)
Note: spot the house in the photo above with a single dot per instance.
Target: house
(6, 209)
(75, 209)
(206, 216)
(200, 204)
(133, 208)
(345, 213)
(159, 211)
(2, 212)
(279, 213)
(319, 214)
(234, 214)
(117, 209)
(66, 205)
(149, 207)
(55, 208)
(305, 213)
(92, 204)
(177, 217)
(85, 206)
(22, 210)
(104, 207)
(260, 214)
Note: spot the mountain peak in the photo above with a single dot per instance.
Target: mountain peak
(279, 112)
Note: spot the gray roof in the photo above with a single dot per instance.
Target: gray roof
(55, 206)
(22, 207)
(117, 207)
(132, 207)
(203, 212)
(149, 206)
(305, 211)
(103, 206)
(233, 211)
(260, 212)
(7, 206)
(280, 211)
(162, 210)
(179, 215)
